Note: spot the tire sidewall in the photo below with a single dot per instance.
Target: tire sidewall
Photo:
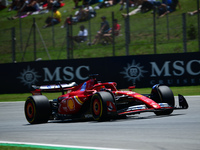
(30, 110)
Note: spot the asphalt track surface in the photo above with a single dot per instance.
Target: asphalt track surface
(178, 131)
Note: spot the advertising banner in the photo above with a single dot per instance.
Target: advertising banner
(182, 69)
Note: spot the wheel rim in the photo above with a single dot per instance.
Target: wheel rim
(30, 110)
(97, 107)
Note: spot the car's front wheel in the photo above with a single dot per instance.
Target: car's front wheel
(99, 108)
(163, 94)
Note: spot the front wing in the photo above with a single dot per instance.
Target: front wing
(143, 108)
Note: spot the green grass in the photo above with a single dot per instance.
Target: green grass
(28, 148)
(23, 96)
(141, 32)
(19, 148)
(4, 146)
(185, 90)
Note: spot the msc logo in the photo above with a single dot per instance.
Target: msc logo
(29, 77)
(133, 72)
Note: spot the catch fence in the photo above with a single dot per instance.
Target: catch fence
(171, 34)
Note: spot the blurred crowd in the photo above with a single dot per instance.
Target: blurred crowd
(85, 11)
(29, 7)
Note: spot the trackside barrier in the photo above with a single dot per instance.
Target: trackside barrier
(181, 69)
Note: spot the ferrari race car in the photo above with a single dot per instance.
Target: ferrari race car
(100, 101)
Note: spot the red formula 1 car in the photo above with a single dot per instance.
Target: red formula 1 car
(100, 101)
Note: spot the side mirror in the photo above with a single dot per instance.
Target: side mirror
(131, 88)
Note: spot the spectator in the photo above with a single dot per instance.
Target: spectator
(80, 15)
(172, 4)
(82, 35)
(135, 11)
(143, 6)
(31, 6)
(28, 8)
(137, 2)
(131, 3)
(89, 11)
(16, 5)
(53, 20)
(108, 36)
(103, 30)
(83, 14)
(168, 7)
(51, 4)
(148, 5)
(193, 12)
(76, 3)
(68, 21)
(105, 3)
(110, 2)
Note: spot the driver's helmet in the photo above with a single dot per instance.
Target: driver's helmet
(100, 88)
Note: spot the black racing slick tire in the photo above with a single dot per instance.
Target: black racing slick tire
(99, 105)
(37, 109)
(163, 94)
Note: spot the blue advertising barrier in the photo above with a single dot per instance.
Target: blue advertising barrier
(182, 69)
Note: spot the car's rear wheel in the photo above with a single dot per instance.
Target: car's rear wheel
(37, 109)
(99, 105)
(163, 94)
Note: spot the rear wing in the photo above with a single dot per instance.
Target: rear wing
(52, 88)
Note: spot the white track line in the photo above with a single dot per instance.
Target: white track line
(60, 146)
